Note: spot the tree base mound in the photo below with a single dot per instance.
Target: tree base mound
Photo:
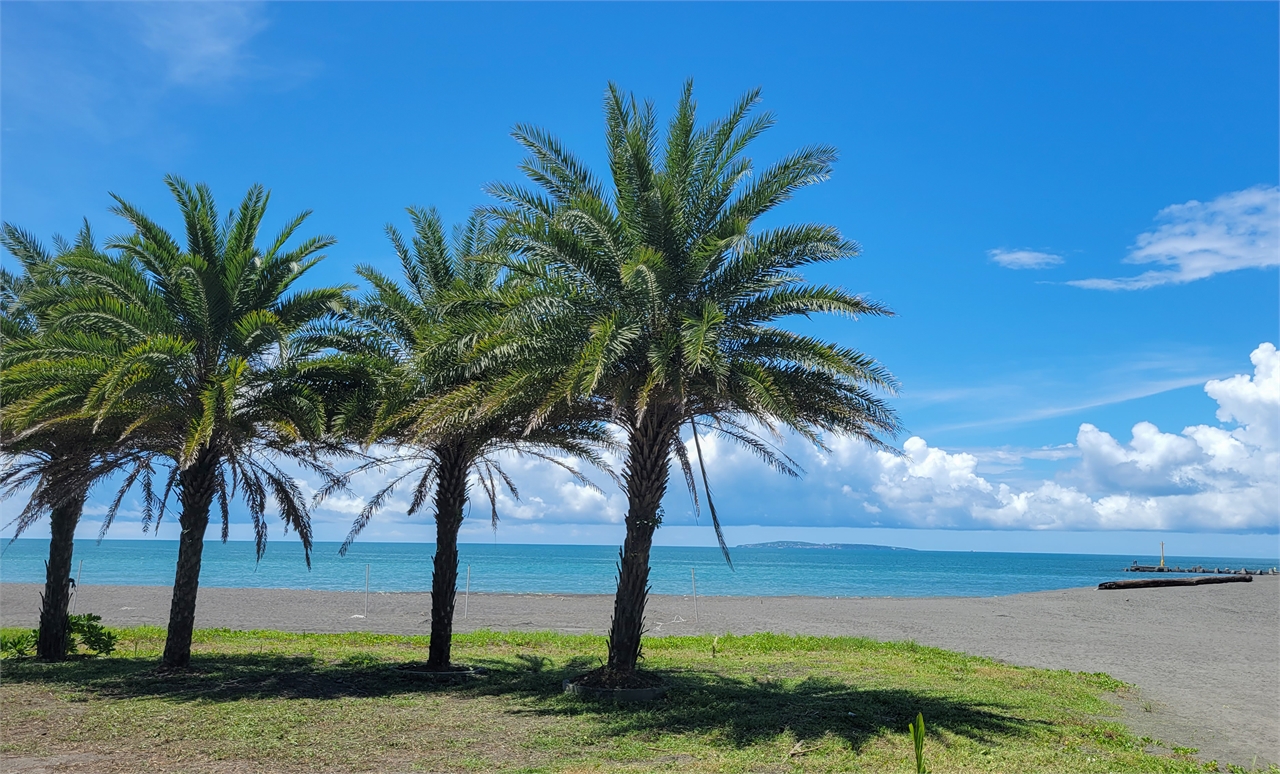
(617, 686)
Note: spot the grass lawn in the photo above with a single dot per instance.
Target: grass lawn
(271, 701)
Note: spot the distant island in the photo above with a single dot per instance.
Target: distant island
(830, 546)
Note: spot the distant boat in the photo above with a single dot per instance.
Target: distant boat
(828, 546)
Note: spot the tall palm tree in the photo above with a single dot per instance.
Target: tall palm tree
(656, 300)
(51, 449)
(206, 370)
(410, 336)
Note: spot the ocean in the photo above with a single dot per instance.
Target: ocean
(552, 569)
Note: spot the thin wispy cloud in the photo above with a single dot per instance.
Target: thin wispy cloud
(1133, 392)
(1032, 393)
(108, 71)
(1196, 240)
(201, 42)
(1024, 259)
(1014, 457)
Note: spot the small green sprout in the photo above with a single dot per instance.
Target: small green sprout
(917, 736)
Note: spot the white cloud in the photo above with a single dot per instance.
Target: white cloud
(1206, 478)
(1211, 478)
(1152, 463)
(1196, 240)
(1251, 401)
(201, 42)
(550, 499)
(1024, 259)
(1009, 458)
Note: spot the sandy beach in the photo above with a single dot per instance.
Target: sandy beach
(1206, 659)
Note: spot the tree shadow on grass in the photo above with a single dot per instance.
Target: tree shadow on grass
(744, 712)
(740, 711)
(225, 678)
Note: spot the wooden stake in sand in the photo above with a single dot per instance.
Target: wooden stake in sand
(694, 574)
(366, 591)
(75, 591)
(466, 595)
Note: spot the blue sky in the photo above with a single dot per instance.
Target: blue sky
(1072, 207)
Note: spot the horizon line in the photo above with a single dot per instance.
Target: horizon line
(716, 549)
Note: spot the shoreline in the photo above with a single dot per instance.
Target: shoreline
(1186, 649)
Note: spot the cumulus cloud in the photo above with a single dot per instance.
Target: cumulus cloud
(1024, 259)
(1223, 477)
(1196, 240)
(549, 496)
(1251, 401)
(1204, 478)
(1152, 463)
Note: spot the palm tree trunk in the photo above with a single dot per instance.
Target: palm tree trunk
(451, 498)
(197, 485)
(646, 473)
(53, 638)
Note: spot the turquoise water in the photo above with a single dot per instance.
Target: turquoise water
(591, 569)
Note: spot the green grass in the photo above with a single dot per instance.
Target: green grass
(329, 702)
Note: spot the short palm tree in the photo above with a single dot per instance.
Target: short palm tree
(411, 336)
(656, 300)
(51, 449)
(206, 371)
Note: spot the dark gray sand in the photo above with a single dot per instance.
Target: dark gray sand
(1206, 659)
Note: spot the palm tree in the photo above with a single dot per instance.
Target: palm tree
(206, 369)
(656, 300)
(410, 337)
(50, 446)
